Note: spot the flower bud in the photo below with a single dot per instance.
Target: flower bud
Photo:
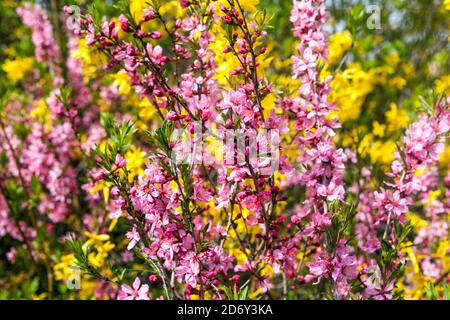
(227, 49)
(103, 42)
(179, 49)
(172, 116)
(185, 3)
(140, 34)
(152, 278)
(115, 191)
(124, 23)
(155, 35)
(100, 175)
(120, 162)
(228, 20)
(206, 114)
(149, 14)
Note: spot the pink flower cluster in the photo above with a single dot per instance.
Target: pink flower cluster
(423, 143)
(164, 232)
(46, 50)
(48, 156)
(324, 176)
(321, 165)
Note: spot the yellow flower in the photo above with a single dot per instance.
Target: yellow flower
(444, 158)
(381, 152)
(136, 160)
(247, 5)
(40, 296)
(240, 256)
(267, 271)
(443, 250)
(63, 270)
(442, 85)
(268, 104)
(225, 61)
(113, 224)
(349, 90)
(207, 295)
(101, 246)
(137, 9)
(340, 43)
(173, 8)
(413, 258)
(17, 69)
(408, 68)
(419, 172)
(380, 74)
(41, 113)
(387, 151)
(432, 196)
(416, 221)
(91, 59)
(396, 118)
(10, 52)
(122, 81)
(392, 59)
(102, 186)
(147, 110)
(253, 295)
(446, 5)
(397, 82)
(214, 147)
(95, 239)
(378, 129)
(377, 39)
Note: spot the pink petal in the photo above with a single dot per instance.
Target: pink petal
(136, 284)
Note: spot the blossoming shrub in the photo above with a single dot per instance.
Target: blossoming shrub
(174, 150)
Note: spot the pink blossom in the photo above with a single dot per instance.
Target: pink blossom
(120, 162)
(134, 238)
(136, 292)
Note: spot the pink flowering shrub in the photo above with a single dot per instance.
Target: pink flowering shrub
(220, 193)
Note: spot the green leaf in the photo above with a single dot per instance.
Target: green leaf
(243, 294)
(160, 139)
(447, 291)
(355, 19)
(35, 186)
(425, 105)
(3, 159)
(34, 286)
(228, 293)
(106, 120)
(431, 292)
